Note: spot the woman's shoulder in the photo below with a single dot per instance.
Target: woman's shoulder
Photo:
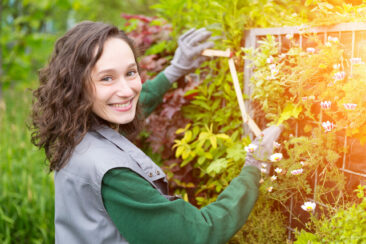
(95, 154)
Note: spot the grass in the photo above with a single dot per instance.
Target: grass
(26, 187)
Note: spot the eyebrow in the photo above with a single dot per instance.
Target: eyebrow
(131, 65)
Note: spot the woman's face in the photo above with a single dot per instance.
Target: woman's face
(117, 84)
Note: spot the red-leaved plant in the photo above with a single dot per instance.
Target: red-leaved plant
(152, 38)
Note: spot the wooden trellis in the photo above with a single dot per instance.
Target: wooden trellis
(353, 38)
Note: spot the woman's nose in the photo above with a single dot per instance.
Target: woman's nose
(123, 88)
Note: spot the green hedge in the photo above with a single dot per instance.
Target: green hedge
(26, 192)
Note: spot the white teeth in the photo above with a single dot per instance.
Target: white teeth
(119, 105)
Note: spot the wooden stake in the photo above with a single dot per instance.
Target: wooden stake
(246, 118)
(217, 53)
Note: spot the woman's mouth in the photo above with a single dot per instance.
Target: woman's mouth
(122, 107)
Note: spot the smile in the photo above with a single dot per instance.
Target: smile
(121, 107)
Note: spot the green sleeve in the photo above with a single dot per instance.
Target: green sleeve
(143, 215)
(152, 93)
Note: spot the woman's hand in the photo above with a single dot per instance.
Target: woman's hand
(263, 147)
(187, 56)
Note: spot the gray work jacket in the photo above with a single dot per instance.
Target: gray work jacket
(80, 215)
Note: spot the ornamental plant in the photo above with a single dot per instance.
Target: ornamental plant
(213, 109)
(318, 91)
(345, 225)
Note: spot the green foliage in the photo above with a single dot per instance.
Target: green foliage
(311, 154)
(268, 89)
(211, 144)
(204, 146)
(27, 35)
(227, 19)
(216, 155)
(30, 28)
(335, 11)
(266, 224)
(26, 192)
(290, 111)
(345, 225)
(297, 83)
(307, 79)
(110, 11)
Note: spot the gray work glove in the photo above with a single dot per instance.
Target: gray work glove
(263, 148)
(187, 56)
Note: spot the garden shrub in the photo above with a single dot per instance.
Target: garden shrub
(310, 91)
(213, 102)
(266, 224)
(345, 225)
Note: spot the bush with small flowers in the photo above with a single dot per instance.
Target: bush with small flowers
(320, 92)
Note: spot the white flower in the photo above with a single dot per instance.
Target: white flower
(336, 66)
(325, 104)
(333, 39)
(289, 36)
(328, 126)
(264, 170)
(274, 72)
(269, 189)
(282, 55)
(278, 170)
(274, 69)
(275, 157)
(339, 76)
(350, 106)
(264, 165)
(276, 144)
(310, 50)
(302, 163)
(308, 206)
(270, 60)
(251, 148)
(297, 171)
(273, 178)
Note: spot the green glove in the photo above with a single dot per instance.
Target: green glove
(187, 56)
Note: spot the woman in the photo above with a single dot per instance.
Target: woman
(106, 189)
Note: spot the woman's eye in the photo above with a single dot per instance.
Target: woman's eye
(107, 78)
(131, 73)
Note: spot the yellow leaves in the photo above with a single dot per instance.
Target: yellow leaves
(181, 130)
(203, 136)
(187, 136)
(223, 136)
(213, 141)
(196, 143)
(289, 111)
(178, 152)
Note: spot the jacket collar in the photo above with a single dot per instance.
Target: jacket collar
(151, 169)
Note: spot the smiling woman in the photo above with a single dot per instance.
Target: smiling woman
(117, 83)
(106, 189)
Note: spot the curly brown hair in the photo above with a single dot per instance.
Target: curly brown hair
(62, 105)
